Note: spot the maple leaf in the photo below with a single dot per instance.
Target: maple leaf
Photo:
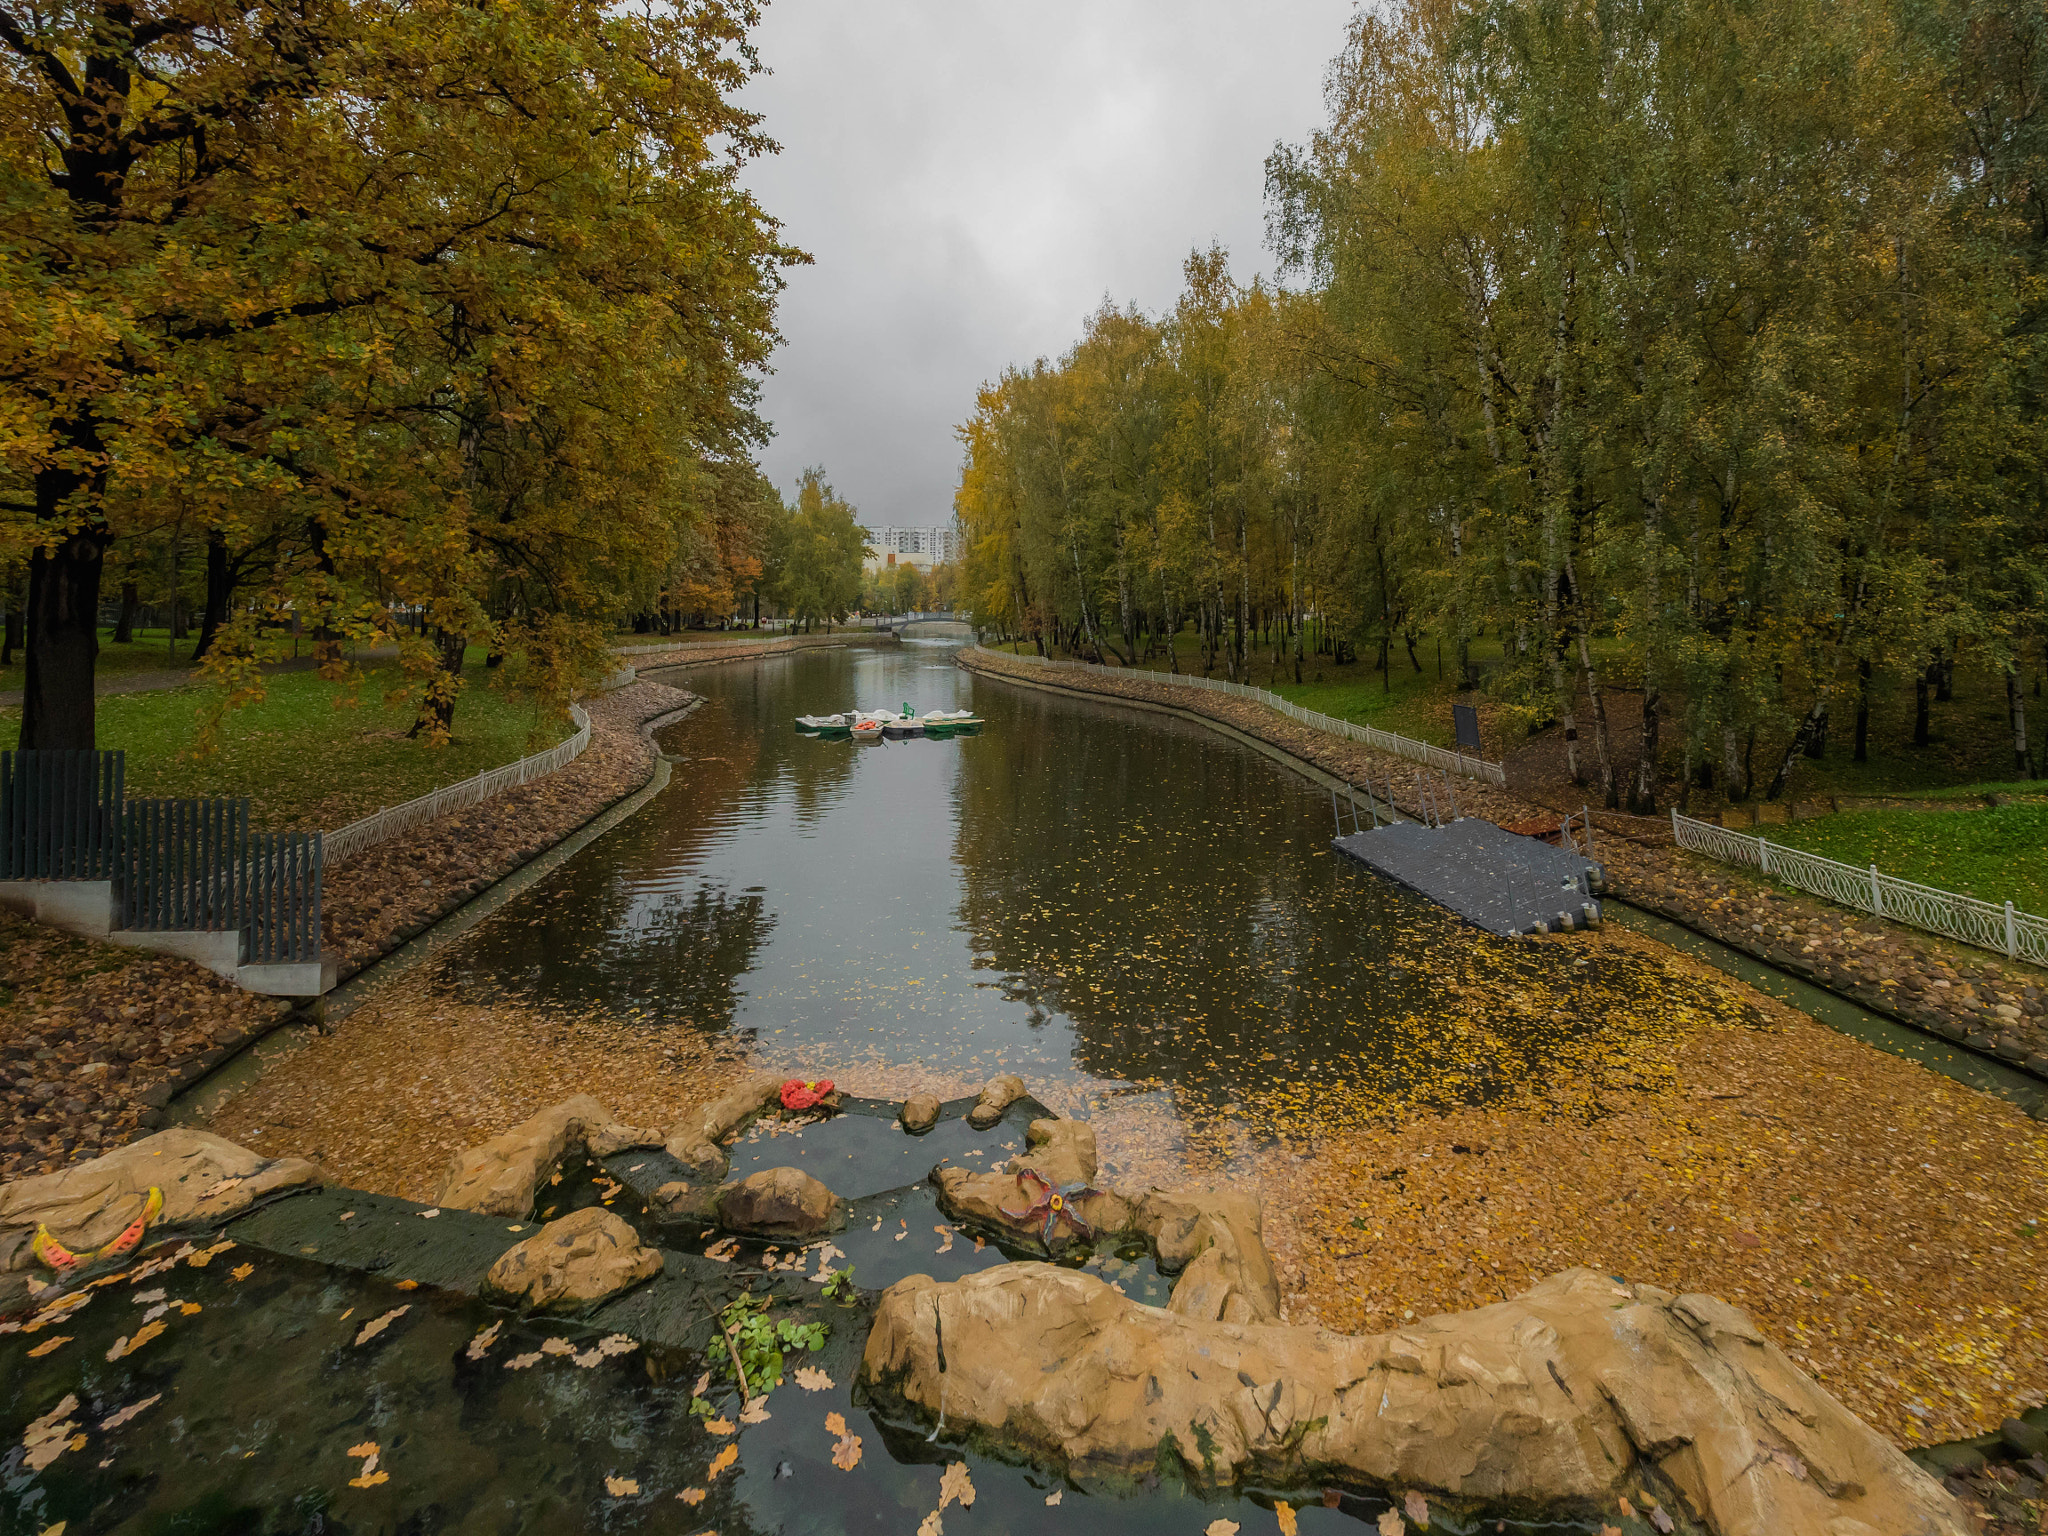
(722, 1460)
(811, 1379)
(956, 1484)
(692, 1496)
(621, 1487)
(377, 1325)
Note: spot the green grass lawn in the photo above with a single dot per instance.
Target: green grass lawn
(1996, 854)
(152, 650)
(306, 757)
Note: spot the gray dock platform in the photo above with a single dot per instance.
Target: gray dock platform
(1500, 881)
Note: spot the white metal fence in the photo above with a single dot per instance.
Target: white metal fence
(1371, 736)
(371, 830)
(2014, 934)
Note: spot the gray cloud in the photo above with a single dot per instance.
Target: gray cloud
(973, 179)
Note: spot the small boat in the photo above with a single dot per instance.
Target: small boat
(903, 726)
(824, 725)
(867, 730)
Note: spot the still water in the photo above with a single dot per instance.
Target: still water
(1090, 895)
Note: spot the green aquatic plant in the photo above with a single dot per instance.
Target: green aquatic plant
(757, 1343)
(839, 1285)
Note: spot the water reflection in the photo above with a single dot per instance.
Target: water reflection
(1083, 892)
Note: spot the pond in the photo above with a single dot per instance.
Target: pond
(1092, 896)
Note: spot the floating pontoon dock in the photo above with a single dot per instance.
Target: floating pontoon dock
(1503, 882)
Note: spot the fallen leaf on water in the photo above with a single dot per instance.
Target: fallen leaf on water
(703, 1385)
(408, 1285)
(616, 1344)
(1417, 1508)
(755, 1412)
(1391, 1523)
(722, 1460)
(48, 1345)
(1221, 1528)
(557, 1347)
(1628, 1510)
(55, 1530)
(116, 1419)
(720, 1425)
(205, 1256)
(429, 1215)
(692, 1496)
(346, 1315)
(931, 1526)
(956, 1484)
(1052, 1499)
(723, 1249)
(377, 1325)
(47, 1438)
(621, 1487)
(481, 1344)
(188, 1308)
(521, 1362)
(241, 1271)
(947, 1234)
(811, 1379)
(1659, 1519)
(1610, 1530)
(369, 1479)
(126, 1346)
(1286, 1515)
(846, 1452)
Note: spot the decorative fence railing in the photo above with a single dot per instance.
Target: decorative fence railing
(373, 829)
(2016, 935)
(1367, 735)
(174, 865)
(60, 815)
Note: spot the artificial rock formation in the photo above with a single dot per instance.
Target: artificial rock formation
(586, 1257)
(697, 1139)
(1061, 1152)
(997, 1095)
(920, 1113)
(1572, 1395)
(1215, 1240)
(780, 1202)
(500, 1177)
(203, 1178)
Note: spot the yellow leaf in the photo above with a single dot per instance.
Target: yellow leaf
(367, 1448)
(722, 1460)
(692, 1496)
(369, 1480)
(719, 1426)
(124, 1347)
(1286, 1514)
(811, 1379)
(621, 1487)
(48, 1345)
(846, 1452)
(241, 1271)
(835, 1422)
(1221, 1528)
(377, 1325)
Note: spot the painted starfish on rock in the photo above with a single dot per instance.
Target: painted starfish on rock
(1054, 1202)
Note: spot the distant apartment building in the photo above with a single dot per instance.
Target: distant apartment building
(921, 547)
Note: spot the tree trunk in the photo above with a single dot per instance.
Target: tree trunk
(1920, 681)
(1642, 797)
(2016, 708)
(57, 706)
(131, 600)
(1606, 760)
(1813, 727)
(1863, 710)
(220, 591)
(437, 708)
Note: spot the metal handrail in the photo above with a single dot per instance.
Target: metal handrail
(1366, 735)
(2001, 929)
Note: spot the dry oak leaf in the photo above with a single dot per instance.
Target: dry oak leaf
(1285, 1512)
(931, 1526)
(703, 1382)
(1221, 1528)
(616, 1344)
(481, 1344)
(205, 1256)
(377, 1325)
(557, 1347)
(1417, 1509)
(720, 1425)
(621, 1487)
(1052, 1499)
(835, 1423)
(48, 1345)
(116, 1419)
(755, 1411)
(846, 1452)
(692, 1496)
(127, 1345)
(811, 1379)
(1391, 1523)
(722, 1460)
(241, 1271)
(957, 1485)
(521, 1362)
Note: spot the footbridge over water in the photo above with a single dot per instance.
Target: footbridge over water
(933, 626)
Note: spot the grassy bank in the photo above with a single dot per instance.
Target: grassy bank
(311, 754)
(1996, 854)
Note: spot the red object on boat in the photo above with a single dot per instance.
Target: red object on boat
(802, 1095)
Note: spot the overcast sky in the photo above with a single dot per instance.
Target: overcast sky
(972, 179)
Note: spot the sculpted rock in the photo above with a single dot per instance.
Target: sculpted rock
(780, 1202)
(1215, 1237)
(695, 1138)
(204, 1179)
(997, 1095)
(1572, 1395)
(1062, 1153)
(920, 1113)
(573, 1263)
(679, 1198)
(499, 1178)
